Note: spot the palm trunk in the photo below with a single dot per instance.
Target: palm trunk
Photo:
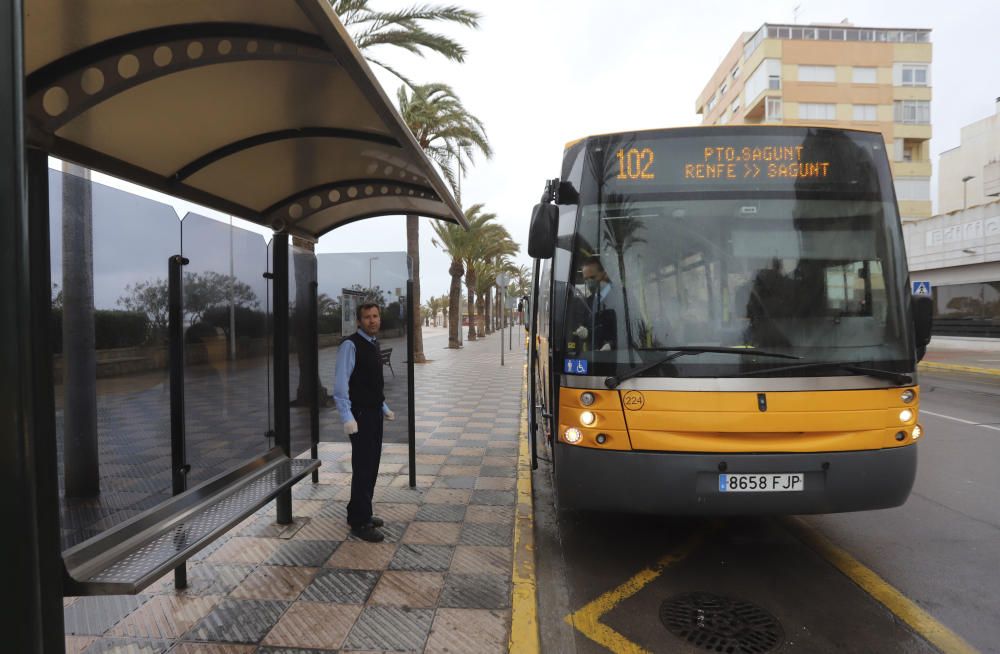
(487, 302)
(470, 288)
(454, 299)
(413, 250)
(481, 309)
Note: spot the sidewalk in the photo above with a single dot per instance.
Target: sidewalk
(976, 355)
(441, 582)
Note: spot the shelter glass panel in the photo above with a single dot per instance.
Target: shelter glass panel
(301, 274)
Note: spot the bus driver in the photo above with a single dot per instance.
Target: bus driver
(597, 315)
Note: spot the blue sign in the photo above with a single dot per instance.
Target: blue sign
(921, 288)
(723, 482)
(575, 366)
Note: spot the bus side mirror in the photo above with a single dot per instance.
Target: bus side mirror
(923, 321)
(542, 233)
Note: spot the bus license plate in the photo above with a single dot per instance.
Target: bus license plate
(756, 483)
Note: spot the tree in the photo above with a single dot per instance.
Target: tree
(458, 243)
(450, 136)
(403, 29)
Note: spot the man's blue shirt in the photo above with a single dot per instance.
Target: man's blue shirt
(346, 356)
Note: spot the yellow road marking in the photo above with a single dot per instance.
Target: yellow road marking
(901, 606)
(587, 619)
(524, 605)
(954, 366)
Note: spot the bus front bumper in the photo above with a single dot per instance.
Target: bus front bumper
(679, 483)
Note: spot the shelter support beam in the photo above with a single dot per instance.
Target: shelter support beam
(282, 411)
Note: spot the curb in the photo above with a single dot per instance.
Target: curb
(952, 366)
(524, 602)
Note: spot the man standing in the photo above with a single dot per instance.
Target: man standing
(598, 315)
(358, 392)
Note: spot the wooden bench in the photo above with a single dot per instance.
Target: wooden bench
(386, 354)
(130, 556)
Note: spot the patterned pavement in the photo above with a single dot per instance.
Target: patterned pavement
(441, 581)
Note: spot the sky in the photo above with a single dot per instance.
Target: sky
(540, 73)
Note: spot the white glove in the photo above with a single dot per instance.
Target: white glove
(606, 347)
(581, 332)
(351, 427)
(390, 415)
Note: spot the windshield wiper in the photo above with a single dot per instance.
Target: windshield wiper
(685, 350)
(895, 377)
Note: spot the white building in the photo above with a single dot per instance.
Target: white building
(970, 173)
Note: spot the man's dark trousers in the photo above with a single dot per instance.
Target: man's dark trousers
(366, 450)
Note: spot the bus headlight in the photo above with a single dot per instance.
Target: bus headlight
(905, 415)
(587, 399)
(587, 418)
(573, 435)
(907, 396)
(917, 432)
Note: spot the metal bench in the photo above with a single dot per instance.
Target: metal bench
(386, 355)
(130, 556)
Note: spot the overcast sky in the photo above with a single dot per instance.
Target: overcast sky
(540, 73)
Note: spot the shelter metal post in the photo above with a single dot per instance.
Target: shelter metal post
(282, 415)
(179, 466)
(411, 412)
(532, 353)
(313, 386)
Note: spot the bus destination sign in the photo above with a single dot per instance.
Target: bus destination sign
(727, 162)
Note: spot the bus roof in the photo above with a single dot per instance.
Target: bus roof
(570, 144)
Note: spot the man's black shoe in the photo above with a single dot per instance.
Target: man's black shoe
(369, 533)
(376, 521)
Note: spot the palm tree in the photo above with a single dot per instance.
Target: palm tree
(488, 239)
(404, 29)
(460, 244)
(450, 136)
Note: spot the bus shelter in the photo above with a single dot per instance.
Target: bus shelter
(262, 109)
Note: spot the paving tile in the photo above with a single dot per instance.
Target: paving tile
(238, 621)
(360, 555)
(495, 483)
(395, 511)
(468, 631)
(92, 616)
(455, 482)
(390, 628)
(76, 644)
(432, 533)
(408, 588)
(305, 553)
(474, 559)
(422, 557)
(441, 513)
(128, 646)
(165, 616)
(484, 513)
(274, 582)
(240, 549)
(314, 625)
(492, 497)
(211, 648)
(498, 471)
(447, 496)
(324, 529)
(476, 591)
(341, 586)
(204, 579)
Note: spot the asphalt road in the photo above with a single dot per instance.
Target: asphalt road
(624, 579)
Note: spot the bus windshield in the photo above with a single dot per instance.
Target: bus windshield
(802, 258)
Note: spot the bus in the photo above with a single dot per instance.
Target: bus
(721, 323)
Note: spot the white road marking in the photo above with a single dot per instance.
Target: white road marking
(968, 422)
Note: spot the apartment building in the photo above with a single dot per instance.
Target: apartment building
(868, 78)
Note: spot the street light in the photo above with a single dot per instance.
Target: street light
(370, 259)
(502, 280)
(965, 185)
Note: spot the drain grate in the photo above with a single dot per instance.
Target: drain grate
(721, 624)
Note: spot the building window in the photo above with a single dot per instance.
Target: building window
(710, 104)
(864, 75)
(817, 111)
(913, 75)
(735, 73)
(817, 74)
(772, 109)
(774, 82)
(723, 89)
(867, 112)
(914, 189)
(735, 106)
(914, 112)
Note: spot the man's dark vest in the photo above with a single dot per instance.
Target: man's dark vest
(365, 385)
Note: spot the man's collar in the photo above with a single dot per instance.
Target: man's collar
(361, 332)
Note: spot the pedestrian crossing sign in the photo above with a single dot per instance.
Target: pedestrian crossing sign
(921, 288)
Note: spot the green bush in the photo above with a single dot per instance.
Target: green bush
(112, 329)
(250, 323)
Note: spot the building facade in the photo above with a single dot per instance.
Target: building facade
(839, 75)
(969, 174)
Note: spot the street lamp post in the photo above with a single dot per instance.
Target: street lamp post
(502, 280)
(965, 185)
(370, 259)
